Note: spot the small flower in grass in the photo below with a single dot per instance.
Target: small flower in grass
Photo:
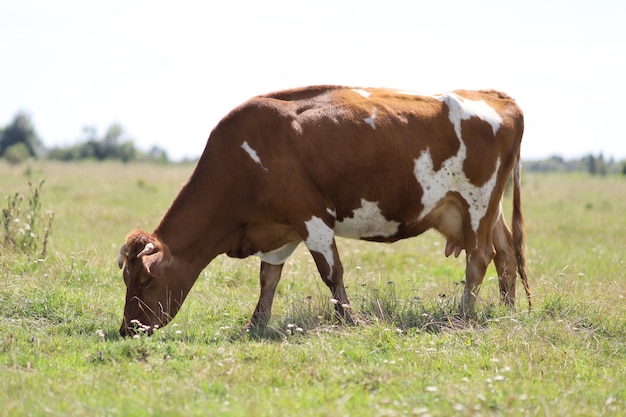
(101, 334)
(431, 388)
(334, 301)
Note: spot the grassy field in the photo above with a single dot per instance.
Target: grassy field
(60, 353)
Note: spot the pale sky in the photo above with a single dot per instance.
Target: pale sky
(168, 71)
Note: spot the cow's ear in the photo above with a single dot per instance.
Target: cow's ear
(155, 257)
(155, 263)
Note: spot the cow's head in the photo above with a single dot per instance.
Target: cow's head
(153, 292)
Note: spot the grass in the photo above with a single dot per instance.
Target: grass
(60, 353)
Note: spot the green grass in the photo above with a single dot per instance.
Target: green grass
(60, 353)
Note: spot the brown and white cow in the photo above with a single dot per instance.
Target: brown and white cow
(310, 164)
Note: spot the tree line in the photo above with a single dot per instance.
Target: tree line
(19, 141)
(592, 164)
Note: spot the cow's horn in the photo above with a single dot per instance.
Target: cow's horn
(121, 257)
(149, 249)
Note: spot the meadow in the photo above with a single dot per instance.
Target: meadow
(409, 355)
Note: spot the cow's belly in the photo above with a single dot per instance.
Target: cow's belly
(280, 255)
(366, 222)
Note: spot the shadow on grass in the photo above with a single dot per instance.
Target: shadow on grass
(378, 306)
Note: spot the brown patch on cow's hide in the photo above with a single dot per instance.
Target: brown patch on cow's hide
(482, 150)
(442, 136)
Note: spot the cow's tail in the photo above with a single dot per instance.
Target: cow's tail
(519, 236)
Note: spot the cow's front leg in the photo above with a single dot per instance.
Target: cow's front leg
(269, 277)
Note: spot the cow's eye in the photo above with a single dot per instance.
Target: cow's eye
(145, 283)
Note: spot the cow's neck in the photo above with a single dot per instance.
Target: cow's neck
(197, 226)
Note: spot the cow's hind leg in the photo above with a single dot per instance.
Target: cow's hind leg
(476, 266)
(332, 275)
(505, 260)
(269, 276)
(320, 241)
(331, 270)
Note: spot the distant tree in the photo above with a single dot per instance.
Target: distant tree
(21, 130)
(157, 154)
(109, 145)
(126, 151)
(602, 169)
(592, 165)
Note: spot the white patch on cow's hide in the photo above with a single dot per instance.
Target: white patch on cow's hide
(255, 157)
(280, 255)
(366, 221)
(372, 119)
(320, 240)
(297, 127)
(452, 178)
(464, 109)
(364, 93)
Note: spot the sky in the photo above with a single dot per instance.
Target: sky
(168, 71)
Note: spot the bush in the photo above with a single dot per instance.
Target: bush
(26, 228)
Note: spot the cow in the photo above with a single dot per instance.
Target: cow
(309, 164)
